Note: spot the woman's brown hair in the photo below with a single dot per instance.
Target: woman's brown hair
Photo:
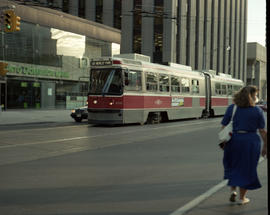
(243, 98)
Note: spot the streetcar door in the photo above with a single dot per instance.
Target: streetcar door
(207, 94)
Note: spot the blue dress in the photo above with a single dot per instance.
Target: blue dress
(242, 152)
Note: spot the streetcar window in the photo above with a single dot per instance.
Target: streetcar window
(97, 80)
(218, 89)
(185, 85)
(151, 81)
(195, 86)
(224, 89)
(133, 80)
(116, 83)
(230, 90)
(106, 81)
(236, 88)
(164, 83)
(175, 85)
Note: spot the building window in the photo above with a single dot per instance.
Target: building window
(137, 23)
(158, 31)
(117, 14)
(65, 6)
(81, 9)
(99, 10)
(24, 94)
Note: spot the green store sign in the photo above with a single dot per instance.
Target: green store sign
(31, 71)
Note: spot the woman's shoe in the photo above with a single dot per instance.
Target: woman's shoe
(243, 201)
(233, 196)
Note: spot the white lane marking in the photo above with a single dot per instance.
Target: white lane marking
(49, 128)
(193, 203)
(100, 135)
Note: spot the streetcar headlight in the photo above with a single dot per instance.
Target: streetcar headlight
(95, 102)
(111, 103)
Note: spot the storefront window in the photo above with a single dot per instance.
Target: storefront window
(48, 67)
(24, 94)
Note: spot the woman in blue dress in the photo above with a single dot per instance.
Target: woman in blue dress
(242, 152)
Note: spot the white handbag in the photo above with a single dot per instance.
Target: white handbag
(226, 133)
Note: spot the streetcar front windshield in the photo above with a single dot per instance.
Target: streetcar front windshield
(106, 81)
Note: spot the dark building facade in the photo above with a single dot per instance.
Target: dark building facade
(256, 68)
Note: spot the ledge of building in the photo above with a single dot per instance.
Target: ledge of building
(63, 21)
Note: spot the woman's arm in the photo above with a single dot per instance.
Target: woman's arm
(263, 134)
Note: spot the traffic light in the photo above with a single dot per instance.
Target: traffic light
(17, 23)
(8, 20)
(3, 69)
(11, 21)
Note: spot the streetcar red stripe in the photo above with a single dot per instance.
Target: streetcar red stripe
(135, 102)
(140, 102)
(219, 101)
(202, 102)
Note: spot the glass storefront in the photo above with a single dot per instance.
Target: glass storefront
(48, 65)
(23, 94)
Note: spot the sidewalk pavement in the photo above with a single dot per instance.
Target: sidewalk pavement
(12, 117)
(218, 203)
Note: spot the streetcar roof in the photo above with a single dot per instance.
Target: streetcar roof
(124, 62)
(171, 68)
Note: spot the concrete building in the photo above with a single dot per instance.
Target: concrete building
(256, 68)
(204, 34)
(48, 59)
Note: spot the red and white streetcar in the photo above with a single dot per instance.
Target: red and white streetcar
(130, 89)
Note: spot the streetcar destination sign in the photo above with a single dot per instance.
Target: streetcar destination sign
(101, 63)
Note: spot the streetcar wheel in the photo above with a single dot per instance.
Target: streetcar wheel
(212, 113)
(205, 114)
(153, 118)
(164, 117)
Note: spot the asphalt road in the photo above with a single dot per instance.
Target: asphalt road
(79, 169)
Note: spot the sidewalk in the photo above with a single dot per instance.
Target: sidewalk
(218, 203)
(11, 117)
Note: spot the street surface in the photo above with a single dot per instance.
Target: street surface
(79, 169)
